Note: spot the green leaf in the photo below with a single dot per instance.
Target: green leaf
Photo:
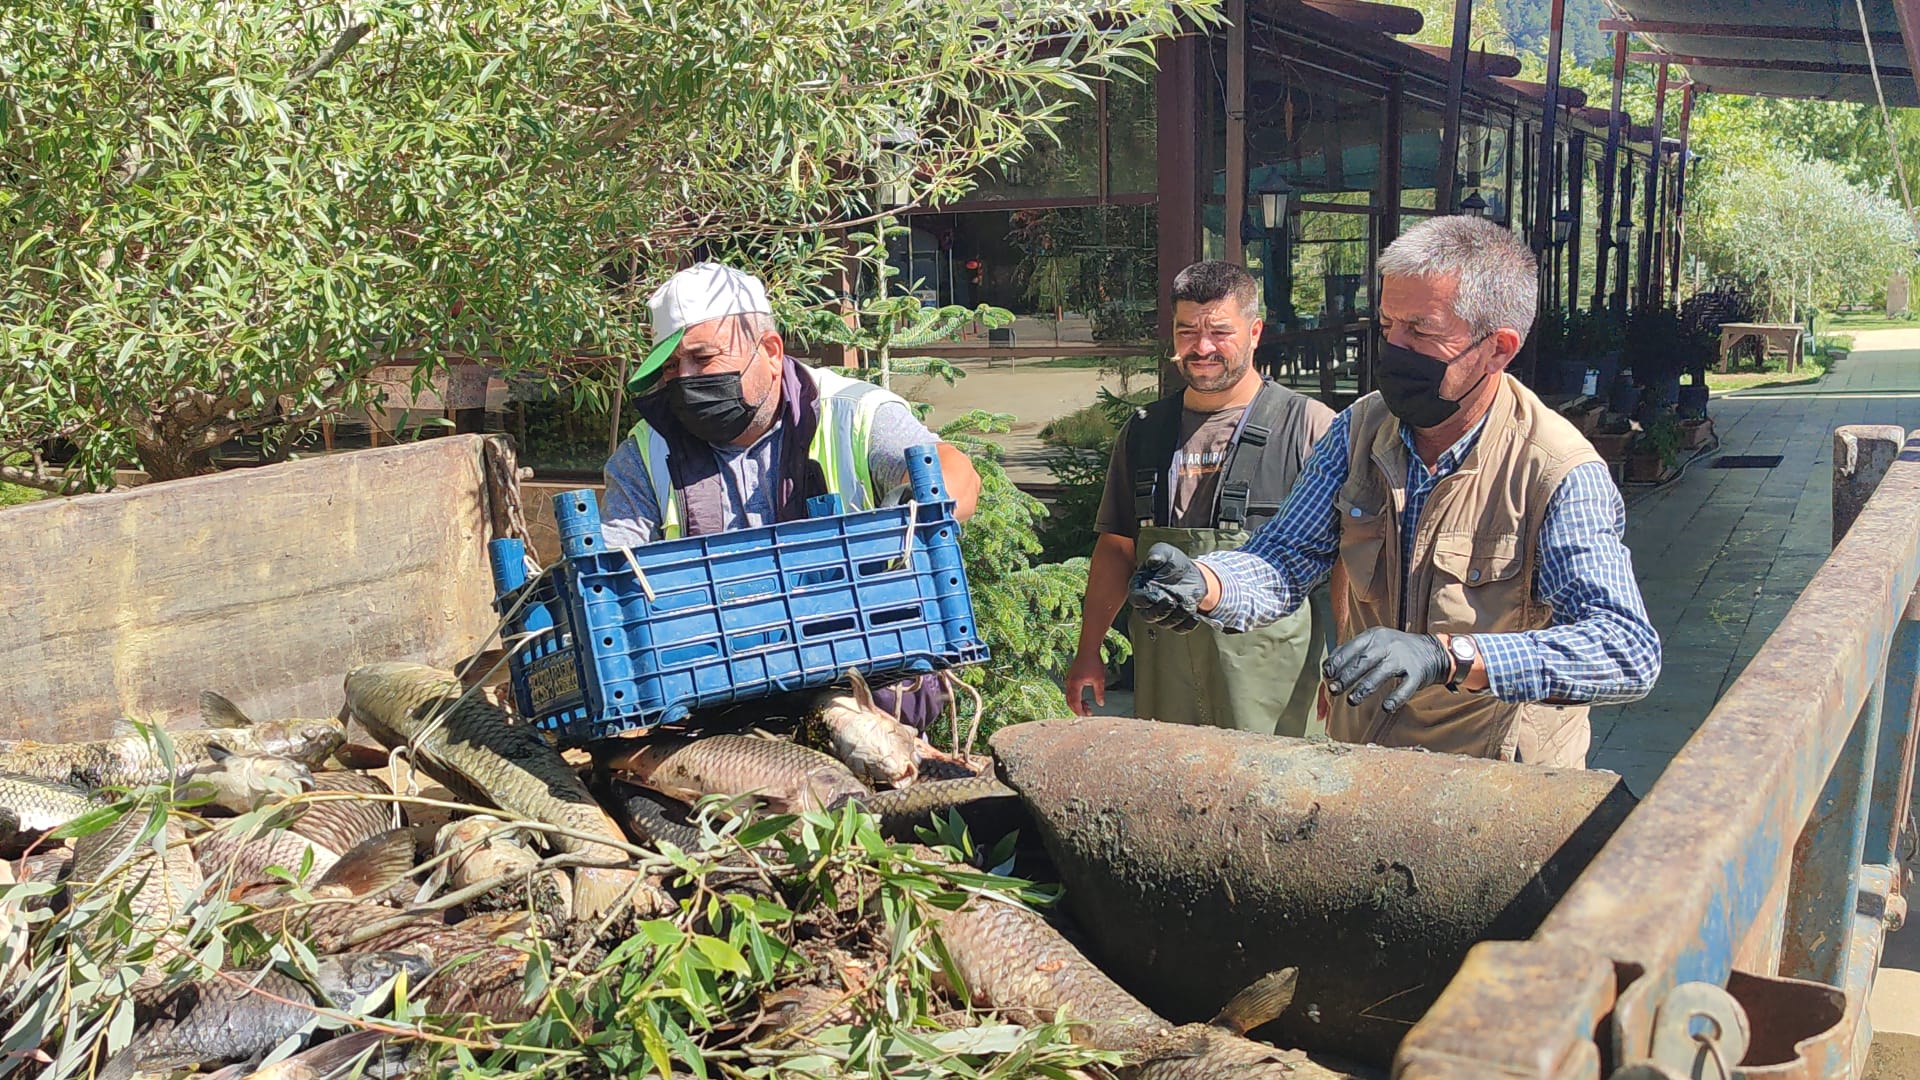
(721, 955)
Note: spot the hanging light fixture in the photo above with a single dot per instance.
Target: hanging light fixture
(1274, 193)
(1623, 229)
(1473, 204)
(1562, 225)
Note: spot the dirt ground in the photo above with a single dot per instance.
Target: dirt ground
(1034, 395)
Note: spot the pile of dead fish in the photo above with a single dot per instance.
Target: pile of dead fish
(379, 854)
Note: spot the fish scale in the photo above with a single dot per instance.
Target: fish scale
(238, 1018)
(788, 777)
(327, 829)
(133, 760)
(479, 754)
(1011, 960)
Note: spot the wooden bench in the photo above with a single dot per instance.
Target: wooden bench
(1775, 337)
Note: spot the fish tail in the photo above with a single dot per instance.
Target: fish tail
(1260, 1003)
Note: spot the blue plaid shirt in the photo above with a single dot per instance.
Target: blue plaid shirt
(1600, 648)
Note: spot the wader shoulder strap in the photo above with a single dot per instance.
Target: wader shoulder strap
(1254, 487)
(1151, 438)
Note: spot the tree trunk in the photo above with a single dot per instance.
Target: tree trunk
(162, 461)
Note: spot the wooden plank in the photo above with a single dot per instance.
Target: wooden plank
(264, 584)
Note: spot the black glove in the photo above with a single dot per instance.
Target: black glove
(1168, 588)
(1378, 656)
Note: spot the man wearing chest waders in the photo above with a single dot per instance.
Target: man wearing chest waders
(1201, 470)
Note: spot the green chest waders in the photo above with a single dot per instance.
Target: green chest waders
(1261, 680)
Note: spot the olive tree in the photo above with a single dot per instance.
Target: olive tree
(220, 217)
(1802, 231)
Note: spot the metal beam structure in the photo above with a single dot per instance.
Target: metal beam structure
(1813, 67)
(1384, 18)
(1680, 188)
(1609, 174)
(1543, 200)
(1842, 35)
(1449, 161)
(1178, 104)
(1650, 219)
(1907, 14)
(1236, 193)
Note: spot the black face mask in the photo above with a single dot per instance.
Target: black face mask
(713, 408)
(1409, 383)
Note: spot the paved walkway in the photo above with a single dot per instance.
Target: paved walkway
(1722, 553)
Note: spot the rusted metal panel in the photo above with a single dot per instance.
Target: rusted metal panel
(1894, 765)
(1825, 887)
(1460, 1040)
(265, 584)
(1689, 875)
(1199, 860)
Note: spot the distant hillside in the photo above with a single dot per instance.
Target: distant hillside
(1525, 21)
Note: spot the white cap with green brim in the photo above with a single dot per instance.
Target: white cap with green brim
(697, 294)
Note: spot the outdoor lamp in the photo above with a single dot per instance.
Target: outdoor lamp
(1473, 204)
(1562, 225)
(1273, 193)
(1623, 229)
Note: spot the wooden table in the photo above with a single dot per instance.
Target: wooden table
(1776, 336)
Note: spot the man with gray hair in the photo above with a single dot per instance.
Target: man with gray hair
(1481, 588)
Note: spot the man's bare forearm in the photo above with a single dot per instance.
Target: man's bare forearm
(1107, 575)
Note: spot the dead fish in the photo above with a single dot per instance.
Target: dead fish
(788, 777)
(470, 746)
(159, 886)
(792, 1014)
(320, 830)
(1220, 1047)
(876, 747)
(482, 849)
(31, 806)
(236, 1017)
(134, 759)
(373, 869)
(988, 806)
(362, 1053)
(240, 783)
(645, 815)
(1012, 961)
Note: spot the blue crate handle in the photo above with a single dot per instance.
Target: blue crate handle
(924, 475)
(824, 506)
(577, 513)
(509, 561)
(508, 558)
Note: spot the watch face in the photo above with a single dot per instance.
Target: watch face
(1463, 647)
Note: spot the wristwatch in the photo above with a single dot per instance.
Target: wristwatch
(1463, 651)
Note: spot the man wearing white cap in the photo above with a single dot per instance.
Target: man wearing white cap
(734, 433)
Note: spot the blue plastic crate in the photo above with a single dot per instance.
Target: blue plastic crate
(642, 636)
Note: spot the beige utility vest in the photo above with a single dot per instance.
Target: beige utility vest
(1473, 572)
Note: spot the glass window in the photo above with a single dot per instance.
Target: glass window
(1064, 168)
(1133, 149)
(1419, 153)
(1318, 134)
(1076, 275)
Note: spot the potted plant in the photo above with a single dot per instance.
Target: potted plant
(1593, 342)
(1656, 452)
(1611, 439)
(1695, 431)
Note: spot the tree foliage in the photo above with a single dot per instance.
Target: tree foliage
(219, 218)
(1803, 234)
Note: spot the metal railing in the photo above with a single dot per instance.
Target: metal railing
(1734, 923)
